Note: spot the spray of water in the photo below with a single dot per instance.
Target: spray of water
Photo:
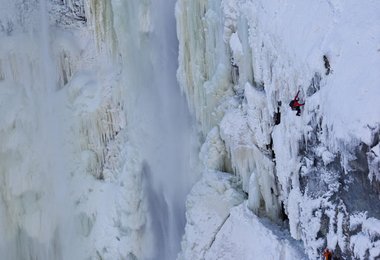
(160, 126)
(34, 198)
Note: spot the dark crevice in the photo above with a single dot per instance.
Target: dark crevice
(315, 84)
(284, 216)
(234, 72)
(327, 64)
(277, 115)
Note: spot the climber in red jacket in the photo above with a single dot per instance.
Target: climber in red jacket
(295, 105)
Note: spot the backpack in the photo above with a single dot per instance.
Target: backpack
(291, 104)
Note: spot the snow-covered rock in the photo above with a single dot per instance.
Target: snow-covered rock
(208, 208)
(246, 236)
(319, 170)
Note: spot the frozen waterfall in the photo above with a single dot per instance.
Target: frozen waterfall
(98, 146)
(35, 211)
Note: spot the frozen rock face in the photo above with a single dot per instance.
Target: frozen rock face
(240, 64)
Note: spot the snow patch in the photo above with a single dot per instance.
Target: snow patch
(246, 236)
(207, 208)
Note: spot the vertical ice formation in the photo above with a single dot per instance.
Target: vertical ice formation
(207, 77)
(158, 126)
(240, 64)
(203, 73)
(100, 18)
(89, 94)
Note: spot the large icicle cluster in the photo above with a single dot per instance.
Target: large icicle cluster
(68, 190)
(240, 64)
(203, 73)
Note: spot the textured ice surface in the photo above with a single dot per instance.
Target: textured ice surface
(318, 170)
(93, 131)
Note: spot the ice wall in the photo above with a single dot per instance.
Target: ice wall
(95, 132)
(240, 64)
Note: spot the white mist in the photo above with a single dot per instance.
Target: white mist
(159, 123)
(34, 209)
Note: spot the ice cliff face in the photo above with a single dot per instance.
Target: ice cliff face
(316, 175)
(94, 132)
(62, 132)
(96, 144)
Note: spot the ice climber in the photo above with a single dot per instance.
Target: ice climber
(327, 254)
(295, 105)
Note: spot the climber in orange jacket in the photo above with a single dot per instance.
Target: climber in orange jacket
(327, 254)
(295, 105)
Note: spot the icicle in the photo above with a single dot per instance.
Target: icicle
(99, 14)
